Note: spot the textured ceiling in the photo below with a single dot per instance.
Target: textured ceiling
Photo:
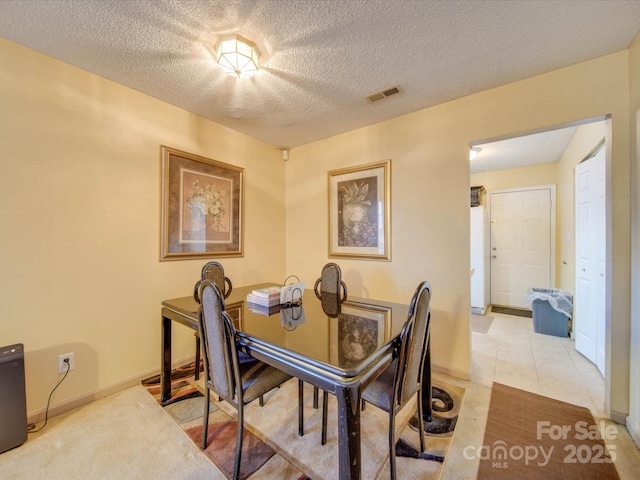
(320, 57)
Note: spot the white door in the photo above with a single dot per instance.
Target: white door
(521, 243)
(589, 302)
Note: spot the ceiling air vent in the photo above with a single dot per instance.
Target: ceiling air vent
(387, 92)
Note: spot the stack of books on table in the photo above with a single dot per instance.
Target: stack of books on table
(264, 310)
(265, 300)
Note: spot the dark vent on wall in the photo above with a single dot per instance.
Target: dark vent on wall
(387, 92)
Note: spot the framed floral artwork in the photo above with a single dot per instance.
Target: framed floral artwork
(202, 207)
(359, 211)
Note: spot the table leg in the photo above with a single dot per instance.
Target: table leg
(349, 458)
(165, 373)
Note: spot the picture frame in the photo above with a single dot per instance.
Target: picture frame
(360, 211)
(357, 332)
(235, 314)
(202, 207)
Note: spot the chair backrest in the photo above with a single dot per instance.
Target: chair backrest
(331, 304)
(218, 338)
(330, 281)
(414, 338)
(213, 271)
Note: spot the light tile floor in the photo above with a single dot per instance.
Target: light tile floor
(511, 353)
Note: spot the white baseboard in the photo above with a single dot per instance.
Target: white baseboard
(72, 403)
(634, 430)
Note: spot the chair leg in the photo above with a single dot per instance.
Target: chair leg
(420, 421)
(392, 444)
(325, 407)
(261, 400)
(315, 397)
(236, 466)
(300, 408)
(197, 363)
(205, 424)
(425, 386)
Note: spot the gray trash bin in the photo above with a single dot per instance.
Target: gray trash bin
(552, 308)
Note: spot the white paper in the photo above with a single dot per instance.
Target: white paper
(291, 317)
(292, 292)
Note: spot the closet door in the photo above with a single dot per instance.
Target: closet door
(589, 300)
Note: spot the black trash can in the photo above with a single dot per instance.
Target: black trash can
(552, 309)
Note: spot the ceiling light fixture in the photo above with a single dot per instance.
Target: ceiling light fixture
(473, 152)
(237, 56)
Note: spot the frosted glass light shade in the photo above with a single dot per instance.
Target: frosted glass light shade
(237, 56)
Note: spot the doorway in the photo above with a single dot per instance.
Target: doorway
(527, 162)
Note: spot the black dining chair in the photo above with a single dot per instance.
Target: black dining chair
(235, 382)
(213, 271)
(330, 281)
(331, 291)
(331, 304)
(400, 381)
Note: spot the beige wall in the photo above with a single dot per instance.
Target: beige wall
(80, 191)
(430, 226)
(633, 420)
(430, 195)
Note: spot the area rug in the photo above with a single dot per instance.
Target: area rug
(530, 436)
(186, 408)
(480, 323)
(519, 312)
(272, 448)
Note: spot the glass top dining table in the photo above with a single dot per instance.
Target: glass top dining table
(339, 347)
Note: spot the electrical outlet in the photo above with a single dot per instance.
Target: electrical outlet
(62, 367)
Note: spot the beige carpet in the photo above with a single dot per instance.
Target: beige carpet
(129, 436)
(124, 436)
